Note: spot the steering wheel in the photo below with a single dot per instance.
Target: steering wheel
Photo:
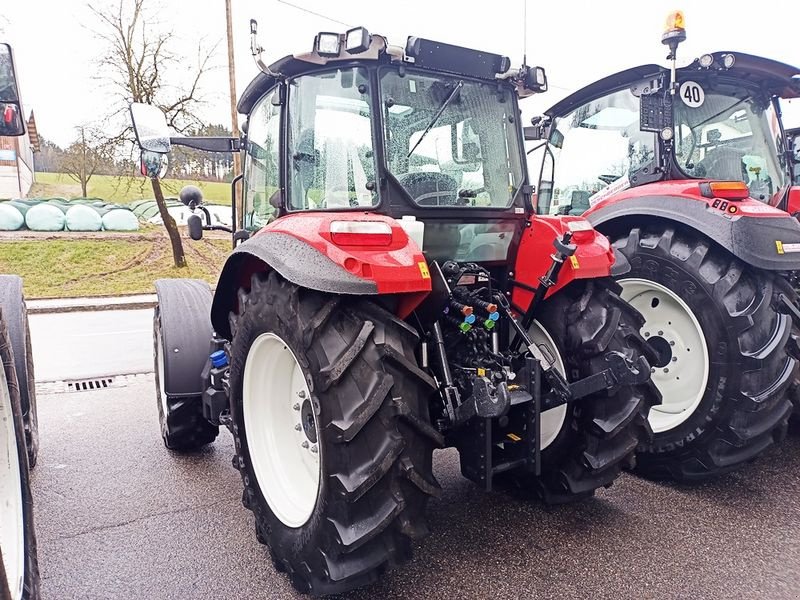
(429, 188)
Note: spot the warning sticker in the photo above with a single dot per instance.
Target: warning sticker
(423, 270)
(574, 260)
(786, 248)
(692, 94)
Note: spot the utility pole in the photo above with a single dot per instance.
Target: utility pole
(237, 165)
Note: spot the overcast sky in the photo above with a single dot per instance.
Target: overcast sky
(577, 41)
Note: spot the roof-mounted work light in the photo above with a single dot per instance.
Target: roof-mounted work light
(327, 43)
(536, 79)
(357, 40)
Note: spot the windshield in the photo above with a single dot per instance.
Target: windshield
(595, 149)
(730, 136)
(331, 156)
(451, 141)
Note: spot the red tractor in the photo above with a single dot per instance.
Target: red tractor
(19, 438)
(391, 291)
(688, 173)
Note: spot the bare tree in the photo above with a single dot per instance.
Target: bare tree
(87, 155)
(137, 65)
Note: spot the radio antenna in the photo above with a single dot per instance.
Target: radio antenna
(524, 33)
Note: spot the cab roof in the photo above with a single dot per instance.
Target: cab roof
(777, 78)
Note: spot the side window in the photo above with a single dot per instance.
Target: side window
(262, 163)
(596, 149)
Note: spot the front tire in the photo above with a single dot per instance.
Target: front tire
(723, 366)
(586, 444)
(332, 432)
(19, 571)
(183, 426)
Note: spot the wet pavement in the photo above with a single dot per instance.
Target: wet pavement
(118, 516)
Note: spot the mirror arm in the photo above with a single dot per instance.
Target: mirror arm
(209, 144)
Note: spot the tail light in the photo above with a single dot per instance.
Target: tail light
(361, 233)
(727, 190)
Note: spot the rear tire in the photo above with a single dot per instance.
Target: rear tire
(355, 365)
(19, 571)
(600, 432)
(738, 406)
(183, 426)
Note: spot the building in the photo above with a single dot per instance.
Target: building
(16, 162)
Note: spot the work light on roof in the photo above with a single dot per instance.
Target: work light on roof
(706, 61)
(357, 40)
(327, 43)
(728, 60)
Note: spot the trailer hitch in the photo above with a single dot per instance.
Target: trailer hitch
(486, 401)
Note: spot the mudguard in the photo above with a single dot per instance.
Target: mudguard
(593, 257)
(184, 307)
(301, 248)
(758, 234)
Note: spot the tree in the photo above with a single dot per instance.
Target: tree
(85, 156)
(49, 157)
(140, 66)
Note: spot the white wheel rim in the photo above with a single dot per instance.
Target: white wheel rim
(671, 325)
(551, 421)
(284, 451)
(12, 525)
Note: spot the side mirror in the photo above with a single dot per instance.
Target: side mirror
(195, 226)
(150, 127)
(154, 164)
(11, 121)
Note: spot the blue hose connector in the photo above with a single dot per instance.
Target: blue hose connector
(219, 359)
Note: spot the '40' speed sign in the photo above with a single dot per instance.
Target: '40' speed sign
(692, 94)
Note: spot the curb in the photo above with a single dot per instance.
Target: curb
(33, 309)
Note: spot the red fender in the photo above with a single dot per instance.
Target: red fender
(359, 264)
(593, 257)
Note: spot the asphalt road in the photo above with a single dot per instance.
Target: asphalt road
(79, 345)
(118, 516)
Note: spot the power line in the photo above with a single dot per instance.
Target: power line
(316, 14)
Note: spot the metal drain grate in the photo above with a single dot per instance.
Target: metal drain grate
(92, 383)
(89, 384)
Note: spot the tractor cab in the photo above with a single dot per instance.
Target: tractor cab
(719, 121)
(427, 134)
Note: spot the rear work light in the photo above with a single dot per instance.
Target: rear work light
(361, 233)
(727, 190)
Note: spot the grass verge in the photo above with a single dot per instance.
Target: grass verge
(64, 268)
(123, 190)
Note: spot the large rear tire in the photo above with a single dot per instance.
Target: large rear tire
(12, 300)
(585, 445)
(724, 366)
(19, 576)
(332, 432)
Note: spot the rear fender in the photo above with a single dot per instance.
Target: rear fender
(300, 248)
(593, 257)
(754, 232)
(183, 306)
